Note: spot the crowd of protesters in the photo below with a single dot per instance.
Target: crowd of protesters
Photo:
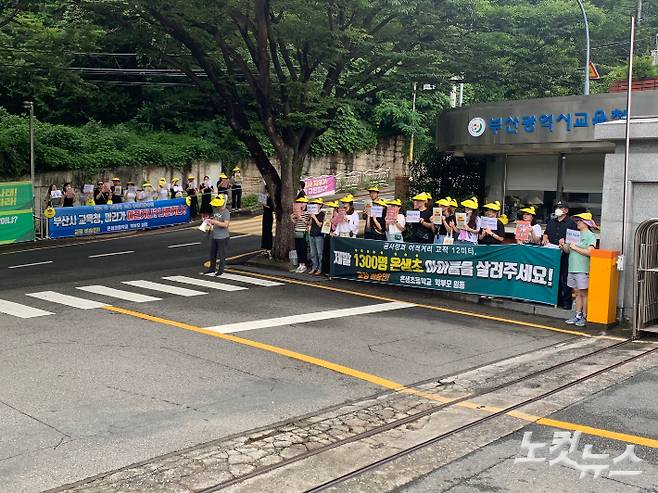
(446, 222)
(200, 194)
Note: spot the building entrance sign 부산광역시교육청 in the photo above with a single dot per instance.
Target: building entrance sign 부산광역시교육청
(16, 212)
(510, 271)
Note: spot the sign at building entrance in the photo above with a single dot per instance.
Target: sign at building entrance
(477, 126)
(16, 213)
(510, 271)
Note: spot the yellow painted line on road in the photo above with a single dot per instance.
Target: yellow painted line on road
(390, 384)
(430, 307)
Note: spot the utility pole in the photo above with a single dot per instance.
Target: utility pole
(29, 105)
(639, 12)
(587, 49)
(413, 135)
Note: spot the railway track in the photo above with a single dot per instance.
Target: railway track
(466, 399)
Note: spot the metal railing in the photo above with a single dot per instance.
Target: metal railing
(645, 281)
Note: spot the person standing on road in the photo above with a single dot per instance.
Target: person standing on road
(219, 237)
(191, 191)
(301, 220)
(316, 238)
(579, 260)
(396, 224)
(556, 230)
(375, 228)
(236, 188)
(348, 226)
(489, 236)
(267, 238)
(422, 231)
(332, 209)
(206, 197)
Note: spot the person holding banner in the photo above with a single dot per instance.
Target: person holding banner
(579, 260)
(375, 228)
(395, 221)
(349, 219)
(220, 221)
(493, 229)
(423, 230)
(316, 218)
(469, 231)
(529, 216)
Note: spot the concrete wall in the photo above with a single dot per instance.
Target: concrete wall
(643, 175)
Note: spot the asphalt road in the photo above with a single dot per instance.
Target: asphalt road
(115, 351)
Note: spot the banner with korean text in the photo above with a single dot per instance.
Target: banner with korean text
(16, 213)
(511, 271)
(115, 218)
(319, 186)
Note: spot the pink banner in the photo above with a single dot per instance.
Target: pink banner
(319, 186)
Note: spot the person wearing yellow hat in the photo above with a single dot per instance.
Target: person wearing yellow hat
(348, 225)
(429, 201)
(395, 221)
(219, 237)
(130, 193)
(492, 236)
(528, 214)
(316, 237)
(224, 185)
(375, 228)
(206, 190)
(236, 188)
(163, 189)
(176, 189)
(423, 230)
(301, 221)
(579, 263)
(191, 190)
(373, 192)
(117, 190)
(470, 231)
(102, 193)
(447, 227)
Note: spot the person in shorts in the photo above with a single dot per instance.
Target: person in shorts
(579, 257)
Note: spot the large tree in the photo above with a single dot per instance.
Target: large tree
(279, 70)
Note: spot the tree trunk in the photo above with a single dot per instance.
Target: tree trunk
(283, 241)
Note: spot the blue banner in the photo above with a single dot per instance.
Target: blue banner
(115, 218)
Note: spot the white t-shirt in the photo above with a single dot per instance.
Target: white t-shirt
(163, 193)
(393, 233)
(467, 235)
(349, 227)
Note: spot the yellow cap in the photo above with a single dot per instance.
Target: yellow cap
(504, 219)
(421, 196)
(116, 179)
(349, 198)
(453, 202)
(190, 177)
(373, 189)
(222, 176)
(529, 210)
(218, 201)
(237, 168)
(397, 202)
(381, 202)
(175, 180)
(147, 184)
(493, 206)
(302, 200)
(428, 195)
(587, 216)
(471, 203)
(318, 200)
(443, 202)
(333, 204)
(162, 181)
(188, 200)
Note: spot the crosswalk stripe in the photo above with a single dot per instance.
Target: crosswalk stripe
(21, 311)
(203, 283)
(65, 299)
(118, 293)
(165, 288)
(249, 280)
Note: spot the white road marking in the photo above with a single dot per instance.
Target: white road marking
(182, 245)
(165, 288)
(65, 299)
(111, 254)
(21, 311)
(118, 293)
(309, 317)
(204, 284)
(239, 236)
(30, 265)
(248, 280)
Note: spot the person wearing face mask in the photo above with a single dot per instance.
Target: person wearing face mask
(493, 236)
(422, 231)
(556, 230)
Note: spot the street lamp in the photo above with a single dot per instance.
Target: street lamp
(587, 56)
(29, 105)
